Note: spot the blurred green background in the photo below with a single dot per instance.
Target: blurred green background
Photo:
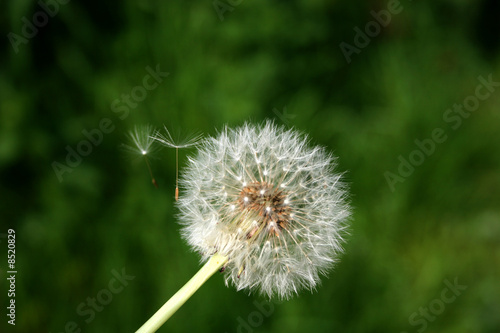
(236, 61)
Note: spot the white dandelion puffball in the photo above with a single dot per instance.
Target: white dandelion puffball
(271, 203)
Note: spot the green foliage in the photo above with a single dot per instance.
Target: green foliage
(278, 60)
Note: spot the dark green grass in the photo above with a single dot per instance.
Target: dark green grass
(264, 60)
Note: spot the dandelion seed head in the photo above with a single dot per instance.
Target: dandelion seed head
(282, 215)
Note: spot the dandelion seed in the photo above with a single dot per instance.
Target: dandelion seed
(143, 144)
(167, 140)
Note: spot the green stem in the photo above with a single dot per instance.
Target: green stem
(181, 296)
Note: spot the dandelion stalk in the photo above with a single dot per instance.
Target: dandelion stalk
(181, 296)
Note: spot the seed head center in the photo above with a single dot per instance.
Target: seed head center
(269, 203)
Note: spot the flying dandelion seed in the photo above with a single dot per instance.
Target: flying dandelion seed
(167, 140)
(143, 144)
(270, 203)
